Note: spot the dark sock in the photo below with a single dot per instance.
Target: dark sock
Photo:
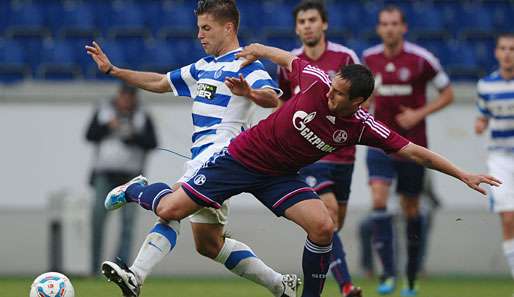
(338, 264)
(383, 240)
(414, 233)
(148, 196)
(315, 264)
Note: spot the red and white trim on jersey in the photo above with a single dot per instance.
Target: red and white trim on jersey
(377, 49)
(370, 121)
(323, 185)
(335, 47)
(202, 196)
(289, 195)
(309, 69)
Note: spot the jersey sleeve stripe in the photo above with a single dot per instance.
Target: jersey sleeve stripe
(267, 83)
(178, 84)
(198, 135)
(321, 77)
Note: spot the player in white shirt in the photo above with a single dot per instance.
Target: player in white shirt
(221, 110)
(496, 104)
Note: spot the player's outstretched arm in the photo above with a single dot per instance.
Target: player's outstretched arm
(266, 98)
(256, 51)
(435, 161)
(150, 81)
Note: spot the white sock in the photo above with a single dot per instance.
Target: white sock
(241, 260)
(508, 251)
(158, 243)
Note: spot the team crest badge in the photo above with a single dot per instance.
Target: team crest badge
(340, 136)
(200, 180)
(311, 181)
(404, 74)
(218, 73)
(390, 67)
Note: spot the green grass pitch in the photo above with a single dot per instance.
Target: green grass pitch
(209, 287)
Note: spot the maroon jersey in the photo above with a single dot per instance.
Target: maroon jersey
(304, 130)
(402, 81)
(333, 58)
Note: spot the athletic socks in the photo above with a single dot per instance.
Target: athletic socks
(414, 233)
(383, 240)
(158, 243)
(508, 251)
(315, 264)
(147, 196)
(241, 260)
(338, 265)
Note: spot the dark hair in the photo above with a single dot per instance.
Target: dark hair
(504, 35)
(392, 8)
(361, 80)
(127, 88)
(311, 4)
(223, 10)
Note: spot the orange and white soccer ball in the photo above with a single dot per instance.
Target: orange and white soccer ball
(52, 284)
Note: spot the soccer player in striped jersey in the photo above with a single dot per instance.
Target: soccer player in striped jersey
(221, 110)
(496, 105)
(265, 159)
(331, 176)
(402, 72)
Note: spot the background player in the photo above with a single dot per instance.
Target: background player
(218, 115)
(496, 104)
(402, 71)
(331, 177)
(259, 162)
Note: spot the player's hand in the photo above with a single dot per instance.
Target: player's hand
(238, 86)
(408, 117)
(251, 53)
(481, 125)
(100, 58)
(474, 180)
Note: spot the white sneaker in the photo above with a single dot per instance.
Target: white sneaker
(290, 283)
(116, 197)
(123, 277)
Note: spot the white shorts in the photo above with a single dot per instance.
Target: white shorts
(501, 166)
(206, 215)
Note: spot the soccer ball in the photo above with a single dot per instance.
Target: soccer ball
(52, 284)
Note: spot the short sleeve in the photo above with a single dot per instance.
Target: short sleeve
(435, 72)
(284, 84)
(378, 135)
(482, 100)
(258, 78)
(183, 81)
(304, 74)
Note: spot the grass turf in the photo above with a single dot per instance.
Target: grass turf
(182, 287)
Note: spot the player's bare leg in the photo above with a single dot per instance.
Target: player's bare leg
(507, 219)
(410, 206)
(313, 217)
(383, 235)
(211, 242)
(338, 264)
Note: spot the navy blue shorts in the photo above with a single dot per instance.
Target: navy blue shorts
(329, 178)
(409, 174)
(222, 177)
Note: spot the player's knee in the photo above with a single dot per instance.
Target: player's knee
(169, 212)
(208, 249)
(322, 231)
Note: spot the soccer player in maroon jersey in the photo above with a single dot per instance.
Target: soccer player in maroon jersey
(331, 176)
(402, 72)
(265, 159)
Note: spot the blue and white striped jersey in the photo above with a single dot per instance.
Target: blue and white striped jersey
(218, 115)
(496, 102)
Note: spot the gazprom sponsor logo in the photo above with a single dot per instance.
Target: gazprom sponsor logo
(394, 90)
(300, 121)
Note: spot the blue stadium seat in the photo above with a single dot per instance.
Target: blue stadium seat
(285, 42)
(251, 23)
(13, 66)
(426, 18)
(357, 45)
(276, 17)
(460, 61)
(501, 12)
(71, 18)
(114, 50)
(171, 16)
(25, 15)
(345, 16)
(57, 61)
(159, 56)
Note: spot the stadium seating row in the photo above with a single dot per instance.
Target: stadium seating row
(45, 39)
